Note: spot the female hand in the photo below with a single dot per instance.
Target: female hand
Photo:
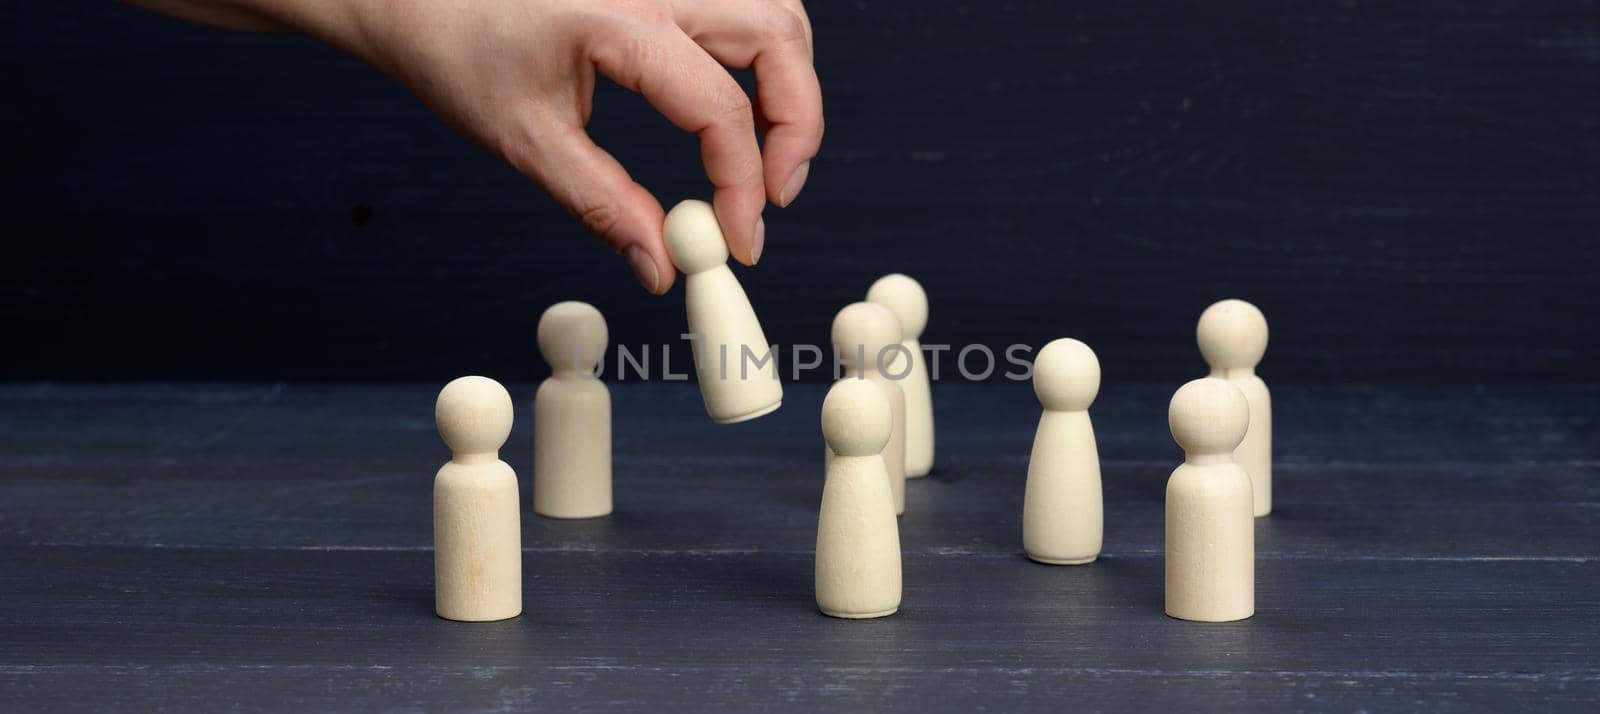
(517, 76)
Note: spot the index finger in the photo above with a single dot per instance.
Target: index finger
(775, 40)
(695, 93)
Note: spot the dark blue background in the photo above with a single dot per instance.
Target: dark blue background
(1409, 191)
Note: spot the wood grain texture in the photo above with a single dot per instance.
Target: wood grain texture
(266, 548)
(1409, 191)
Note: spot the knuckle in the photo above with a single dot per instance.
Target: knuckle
(629, 11)
(738, 169)
(807, 120)
(626, 57)
(638, 51)
(524, 135)
(746, 171)
(786, 26)
(732, 106)
(651, 12)
(518, 148)
(600, 217)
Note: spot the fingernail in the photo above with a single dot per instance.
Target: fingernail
(643, 268)
(759, 242)
(797, 181)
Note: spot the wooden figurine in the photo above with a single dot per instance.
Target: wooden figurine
(905, 298)
(858, 540)
(863, 334)
(1210, 555)
(1062, 511)
(477, 531)
(1233, 337)
(572, 416)
(735, 364)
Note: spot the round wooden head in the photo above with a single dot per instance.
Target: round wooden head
(572, 336)
(864, 331)
(1232, 335)
(1066, 376)
(694, 238)
(905, 298)
(1208, 416)
(474, 415)
(856, 418)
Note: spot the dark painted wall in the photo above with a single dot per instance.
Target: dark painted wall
(1409, 190)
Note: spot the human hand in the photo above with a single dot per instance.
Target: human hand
(517, 76)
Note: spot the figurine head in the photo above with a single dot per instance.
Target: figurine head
(1208, 416)
(1066, 375)
(856, 418)
(474, 415)
(865, 331)
(694, 238)
(1232, 335)
(572, 336)
(904, 297)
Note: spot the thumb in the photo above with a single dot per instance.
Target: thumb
(595, 188)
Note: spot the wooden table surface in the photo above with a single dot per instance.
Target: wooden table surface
(267, 547)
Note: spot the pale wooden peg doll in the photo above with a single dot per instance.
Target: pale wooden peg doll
(1211, 552)
(905, 298)
(735, 364)
(572, 416)
(1233, 337)
(858, 539)
(1062, 512)
(863, 335)
(477, 527)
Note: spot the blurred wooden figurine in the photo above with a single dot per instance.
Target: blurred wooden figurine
(905, 298)
(863, 334)
(1233, 337)
(572, 416)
